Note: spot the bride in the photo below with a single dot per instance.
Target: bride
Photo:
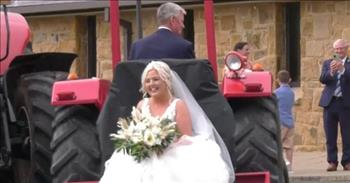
(198, 156)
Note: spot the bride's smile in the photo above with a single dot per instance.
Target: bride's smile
(154, 85)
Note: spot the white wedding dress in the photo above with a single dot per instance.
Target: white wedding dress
(191, 159)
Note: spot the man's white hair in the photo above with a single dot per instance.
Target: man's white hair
(164, 72)
(167, 10)
(340, 43)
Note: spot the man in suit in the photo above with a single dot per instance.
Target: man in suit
(335, 100)
(167, 41)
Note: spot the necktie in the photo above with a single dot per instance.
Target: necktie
(337, 91)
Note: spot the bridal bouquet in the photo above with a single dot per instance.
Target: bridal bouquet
(143, 135)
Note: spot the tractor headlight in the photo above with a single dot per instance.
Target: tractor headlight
(233, 62)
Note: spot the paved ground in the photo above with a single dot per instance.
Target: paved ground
(310, 167)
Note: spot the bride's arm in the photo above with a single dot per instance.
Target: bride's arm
(183, 118)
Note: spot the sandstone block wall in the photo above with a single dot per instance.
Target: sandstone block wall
(58, 34)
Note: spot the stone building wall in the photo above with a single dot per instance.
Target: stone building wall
(254, 23)
(104, 48)
(104, 56)
(260, 24)
(59, 34)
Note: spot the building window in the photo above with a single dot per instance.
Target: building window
(91, 46)
(127, 36)
(291, 60)
(188, 32)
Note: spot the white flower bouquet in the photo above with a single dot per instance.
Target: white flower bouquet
(141, 136)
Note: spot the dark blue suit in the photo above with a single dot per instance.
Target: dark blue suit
(336, 110)
(162, 44)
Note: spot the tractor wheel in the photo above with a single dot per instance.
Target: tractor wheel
(257, 137)
(34, 113)
(76, 151)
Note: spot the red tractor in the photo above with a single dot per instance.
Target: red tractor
(25, 101)
(70, 142)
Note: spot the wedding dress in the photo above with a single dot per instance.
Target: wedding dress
(191, 159)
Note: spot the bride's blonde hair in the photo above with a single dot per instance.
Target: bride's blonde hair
(164, 72)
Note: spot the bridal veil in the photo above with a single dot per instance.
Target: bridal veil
(201, 125)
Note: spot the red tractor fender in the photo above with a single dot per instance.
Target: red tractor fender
(82, 91)
(19, 38)
(250, 84)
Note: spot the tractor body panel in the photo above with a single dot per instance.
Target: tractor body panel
(82, 91)
(18, 39)
(251, 84)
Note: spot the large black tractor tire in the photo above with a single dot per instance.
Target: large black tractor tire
(257, 137)
(76, 151)
(34, 115)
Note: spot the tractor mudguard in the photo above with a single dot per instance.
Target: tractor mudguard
(19, 36)
(124, 93)
(81, 91)
(25, 64)
(252, 84)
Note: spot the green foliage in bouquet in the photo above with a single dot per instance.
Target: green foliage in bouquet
(141, 136)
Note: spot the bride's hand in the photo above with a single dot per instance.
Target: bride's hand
(183, 140)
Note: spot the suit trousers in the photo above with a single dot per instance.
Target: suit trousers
(336, 113)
